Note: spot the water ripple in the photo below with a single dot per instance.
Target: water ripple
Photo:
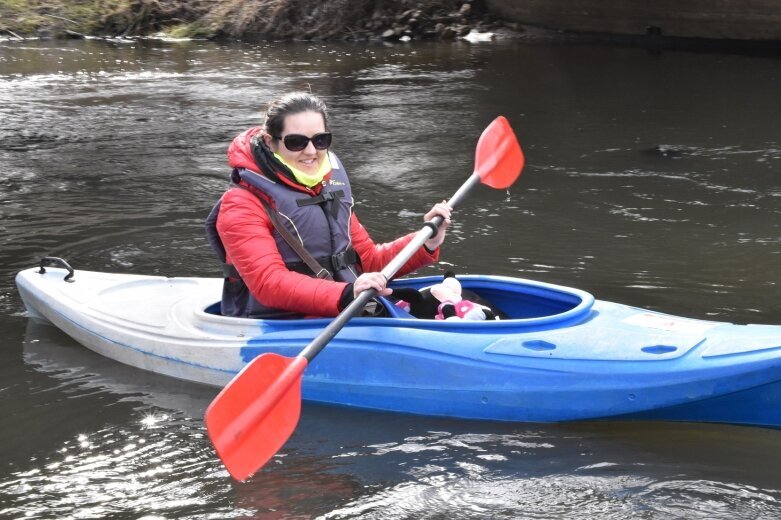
(471, 493)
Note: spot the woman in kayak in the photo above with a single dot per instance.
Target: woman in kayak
(285, 231)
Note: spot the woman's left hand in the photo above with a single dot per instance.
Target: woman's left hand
(376, 281)
(443, 210)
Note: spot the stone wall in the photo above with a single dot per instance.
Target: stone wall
(716, 19)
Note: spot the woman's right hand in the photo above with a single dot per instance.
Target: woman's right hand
(371, 281)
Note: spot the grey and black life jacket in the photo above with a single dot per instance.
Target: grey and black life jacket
(321, 223)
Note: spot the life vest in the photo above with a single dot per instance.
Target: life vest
(320, 223)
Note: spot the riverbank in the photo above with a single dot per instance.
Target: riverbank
(402, 20)
(348, 20)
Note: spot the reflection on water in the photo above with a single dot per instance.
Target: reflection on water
(118, 440)
(652, 180)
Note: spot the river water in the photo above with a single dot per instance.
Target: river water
(652, 179)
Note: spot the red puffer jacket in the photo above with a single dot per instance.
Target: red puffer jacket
(246, 233)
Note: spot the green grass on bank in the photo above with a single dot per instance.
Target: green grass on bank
(56, 17)
(59, 18)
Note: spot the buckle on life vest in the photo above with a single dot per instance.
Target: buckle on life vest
(344, 259)
(325, 196)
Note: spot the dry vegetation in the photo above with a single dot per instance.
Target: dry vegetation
(249, 19)
(345, 19)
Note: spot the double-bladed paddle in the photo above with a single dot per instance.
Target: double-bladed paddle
(257, 411)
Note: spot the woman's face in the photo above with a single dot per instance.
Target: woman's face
(304, 123)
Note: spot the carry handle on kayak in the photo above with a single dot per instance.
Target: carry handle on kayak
(257, 411)
(54, 261)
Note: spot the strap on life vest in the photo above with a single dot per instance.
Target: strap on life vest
(330, 264)
(324, 198)
(333, 263)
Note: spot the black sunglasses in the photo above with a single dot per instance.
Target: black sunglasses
(297, 142)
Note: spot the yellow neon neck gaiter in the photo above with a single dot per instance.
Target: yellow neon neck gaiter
(309, 179)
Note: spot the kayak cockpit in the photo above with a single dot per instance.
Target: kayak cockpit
(525, 303)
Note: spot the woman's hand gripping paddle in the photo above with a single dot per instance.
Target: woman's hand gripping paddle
(255, 414)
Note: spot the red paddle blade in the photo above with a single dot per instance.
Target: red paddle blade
(255, 414)
(498, 157)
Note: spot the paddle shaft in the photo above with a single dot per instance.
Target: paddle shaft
(357, 305)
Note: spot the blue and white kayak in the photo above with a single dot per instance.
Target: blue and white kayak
(561, 356)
